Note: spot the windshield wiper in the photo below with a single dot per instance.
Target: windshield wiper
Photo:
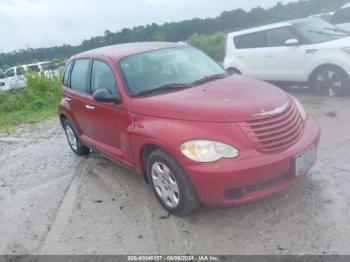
(209, 78)
(162, 88)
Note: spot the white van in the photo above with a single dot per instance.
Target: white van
(15, 77)
(300, 51)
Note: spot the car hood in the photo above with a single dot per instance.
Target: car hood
(338, 43)
(232, 99)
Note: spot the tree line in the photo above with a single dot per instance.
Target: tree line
(178, 31)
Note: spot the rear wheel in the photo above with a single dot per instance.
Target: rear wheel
(73, 140)
(170, 184)
(330, 79)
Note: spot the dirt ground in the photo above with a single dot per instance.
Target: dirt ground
(53, 202)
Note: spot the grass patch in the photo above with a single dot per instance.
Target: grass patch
(37, 101)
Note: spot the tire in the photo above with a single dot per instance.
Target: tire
(170, 184)
(332, 78)
(73, 140)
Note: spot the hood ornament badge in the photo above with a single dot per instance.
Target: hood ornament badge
(276, 111)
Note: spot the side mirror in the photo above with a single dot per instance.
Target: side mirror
(104, 95)
(292, 42)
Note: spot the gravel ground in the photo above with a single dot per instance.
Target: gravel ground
(53, 202)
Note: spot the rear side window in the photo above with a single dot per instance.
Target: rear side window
(102, 78)
(79, 76)
(253, 40)
(66, 74)
(342, 16)
(279, 36)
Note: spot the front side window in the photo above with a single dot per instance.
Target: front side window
(319, 31)
(342, 16)
(180, 67)
(278, 37)
(102, 78)
(253, 40)
(79, 75)
(10, 72)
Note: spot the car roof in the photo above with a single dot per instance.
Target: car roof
(271, 26)
(346, 6)
(119, 51)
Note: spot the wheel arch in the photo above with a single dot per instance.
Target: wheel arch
(318, 68)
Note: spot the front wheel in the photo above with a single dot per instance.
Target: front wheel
(329, 79)
(170, 184)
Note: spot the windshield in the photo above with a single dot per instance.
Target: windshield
(178, 67)
(319, 31)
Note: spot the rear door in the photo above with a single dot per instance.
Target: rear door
(284, 63)
(76, 93)
(250, 54)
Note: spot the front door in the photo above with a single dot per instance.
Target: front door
(108, 123)
(284, 63)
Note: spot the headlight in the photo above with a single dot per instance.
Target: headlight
(346, 50)
(205, 151)
(301, 108)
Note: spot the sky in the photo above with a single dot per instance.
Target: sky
(45, 23)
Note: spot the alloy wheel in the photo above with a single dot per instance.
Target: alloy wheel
(165, 185)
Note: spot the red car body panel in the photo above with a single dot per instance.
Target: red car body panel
(210, 111)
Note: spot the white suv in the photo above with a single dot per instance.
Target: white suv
(300, 51)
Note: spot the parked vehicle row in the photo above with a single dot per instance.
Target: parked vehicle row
(196, 133)
(15, 76)
(306, 51)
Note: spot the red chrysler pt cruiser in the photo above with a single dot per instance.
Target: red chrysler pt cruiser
(197, 134)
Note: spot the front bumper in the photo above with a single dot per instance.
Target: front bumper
(253, 175)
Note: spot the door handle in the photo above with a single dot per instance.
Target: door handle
(89, 107)
(239, 56)
(67, 99)
(269, 55)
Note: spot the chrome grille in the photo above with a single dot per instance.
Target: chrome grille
(276, 132)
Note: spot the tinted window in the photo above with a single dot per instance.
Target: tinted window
(102, 78)
(342, 16)
(79, 75)
(254, 40)
(279, 36)
(66, 74)
(10, 72)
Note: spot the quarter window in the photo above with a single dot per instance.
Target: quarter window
(253, 40)
(79, 75)
(102, 78)
(66, 74)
